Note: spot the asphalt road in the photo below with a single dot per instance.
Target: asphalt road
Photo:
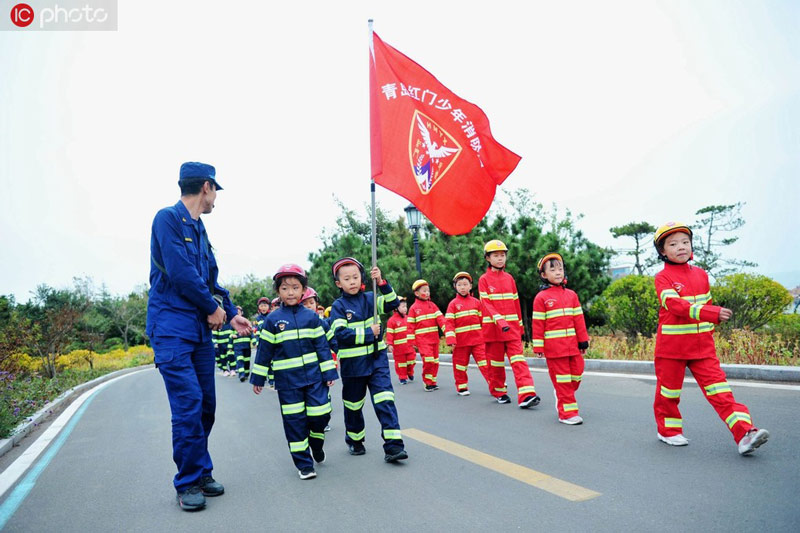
(114, 471)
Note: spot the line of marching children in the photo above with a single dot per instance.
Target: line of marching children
(296, 345)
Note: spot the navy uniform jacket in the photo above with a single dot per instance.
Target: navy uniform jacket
(292, 341)
(351, 318)
(183, 274)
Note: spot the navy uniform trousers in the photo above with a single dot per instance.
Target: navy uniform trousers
(305, 411)
(188, 372)
(354, 395)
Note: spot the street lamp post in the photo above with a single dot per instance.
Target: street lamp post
(414, 218)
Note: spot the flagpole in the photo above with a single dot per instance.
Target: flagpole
(374, 224)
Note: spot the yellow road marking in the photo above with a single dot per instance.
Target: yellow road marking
(561, 488)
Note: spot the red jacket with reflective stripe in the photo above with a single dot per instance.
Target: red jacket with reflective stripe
(686, 317)
(423, 319)
(462, 321)
(396, 334)
(558, 324)
(500, 306)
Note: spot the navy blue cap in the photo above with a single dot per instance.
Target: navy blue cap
(192, 170)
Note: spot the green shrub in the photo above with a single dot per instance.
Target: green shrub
(755, 300)
(787, 326)
(630, 305)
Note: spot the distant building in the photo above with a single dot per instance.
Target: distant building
(620, 272)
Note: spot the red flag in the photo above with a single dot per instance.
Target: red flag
(430, 146)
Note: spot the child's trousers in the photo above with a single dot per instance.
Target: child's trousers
(306, 411)
(496, 353)
(566, 374)
(430, 362)
(714, 384)
(461, 362)
(354, 395)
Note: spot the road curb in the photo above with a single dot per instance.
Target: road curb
(783, 374)
(65, 397)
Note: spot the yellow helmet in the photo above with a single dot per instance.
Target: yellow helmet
(668, 229)
(494, 246)
(417, 284)
(327, 312)
(462, 275)
(548, 257)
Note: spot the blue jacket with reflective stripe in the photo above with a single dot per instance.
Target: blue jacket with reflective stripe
(283, 343)
(358, 308)
(181, 298)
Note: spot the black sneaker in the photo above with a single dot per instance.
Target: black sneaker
(307, 473)
(395, 455)
(410, 378)
(530, 401)
(504, 399)
(430, 388)
(191, 499)
(435, 387)
(210, 487)
(242, 378)
(403, 381)
(357, 449)
(318, 455)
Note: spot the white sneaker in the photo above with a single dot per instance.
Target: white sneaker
(675, 440)
(752, 440)
(225, 373)
(572, 421)
(464, 392)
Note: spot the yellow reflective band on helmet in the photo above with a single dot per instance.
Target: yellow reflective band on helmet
(694, 311)
(737, 416)
(385, 396)
(260, 370)
(516, 359)
(528, 389)
(357, 436)
(570, 406)
(355, 406)
(670, 393)
(293, 408)
(538, 343)
(325, 366)
(318, 410)
(717, 388)
(686, 329)
(298, 446)
(673, 423)
(390, 434)
(559, 333)
(563, 378)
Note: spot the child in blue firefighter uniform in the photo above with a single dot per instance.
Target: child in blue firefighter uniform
(362, 357)
(292, 342)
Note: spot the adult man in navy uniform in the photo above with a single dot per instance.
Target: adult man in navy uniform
(185, 305)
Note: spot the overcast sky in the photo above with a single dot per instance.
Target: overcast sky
(622, 111)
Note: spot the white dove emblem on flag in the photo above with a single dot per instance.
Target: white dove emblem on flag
(427, 154)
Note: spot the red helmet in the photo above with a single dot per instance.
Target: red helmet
(263, 300)
(290, 269)
(310, 293)
(348, 261)
(275, 301)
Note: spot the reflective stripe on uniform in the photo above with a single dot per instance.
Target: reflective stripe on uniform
(538, 343)
(528, 389)
(325, 366)
(499, 296)
(385, 396)
(570, 406)
(293, 408)
(559, 333)
(260, 370)
(737, 416)
(389, 434)
(298, 446)
(673, 423)
(517, 359)
(670, 393)
(563, 378)
(294, 362)
(717, 388)
(357, 436)
(355, 406)
(318, 410)
(686, 329)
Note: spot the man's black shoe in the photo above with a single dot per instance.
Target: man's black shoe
(191, 499)
(210, 487)
(357, 449)
(395, 455)
(530, 401)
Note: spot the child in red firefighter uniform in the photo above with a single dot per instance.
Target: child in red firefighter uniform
(424, 320)
(397, 337)
(684, 338)
(292, 343)
(559, 333)
(363, 362)
(502, 328)
(462, 323)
